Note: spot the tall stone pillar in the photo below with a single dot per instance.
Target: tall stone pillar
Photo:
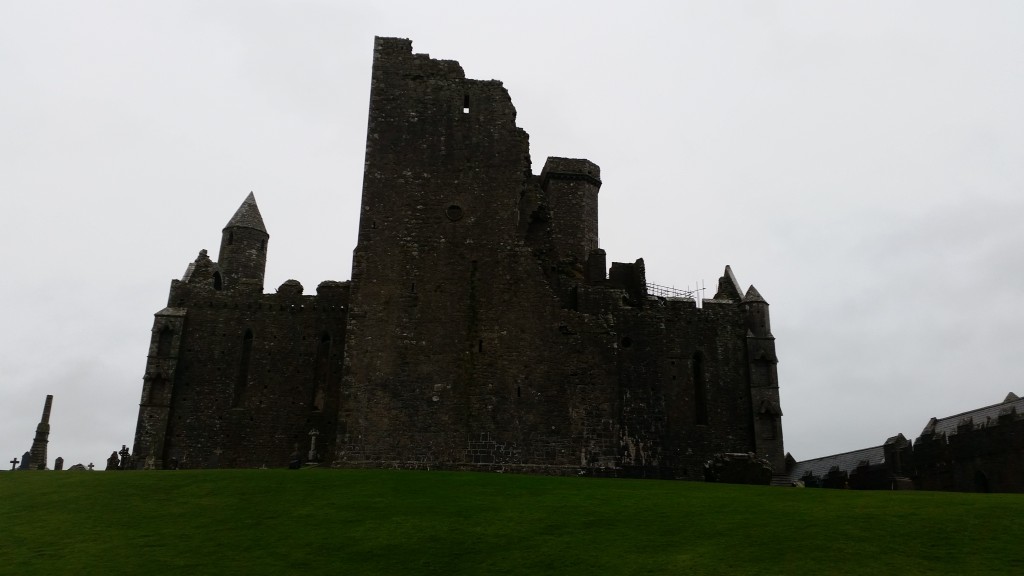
(42, 436)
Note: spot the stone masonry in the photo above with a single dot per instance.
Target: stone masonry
(42, 438)
(482, 328)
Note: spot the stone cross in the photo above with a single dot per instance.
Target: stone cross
(90, 466)
(14, 463)
(312, 444)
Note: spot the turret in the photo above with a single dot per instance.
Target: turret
(243, 246)
(756, 312)
(571, 186)
(158, 387)
(764, 380)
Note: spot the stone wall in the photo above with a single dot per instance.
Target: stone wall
(975, 459)
(480, 329)
(245, 377)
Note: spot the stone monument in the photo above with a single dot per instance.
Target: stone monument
(42, 436)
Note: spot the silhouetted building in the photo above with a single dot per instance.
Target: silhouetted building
(482, 327)
(981, 450)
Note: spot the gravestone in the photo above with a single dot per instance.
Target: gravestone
(125, 458)
(58, 464)
(26, 461)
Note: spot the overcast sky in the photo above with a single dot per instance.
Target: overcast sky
(859, 162)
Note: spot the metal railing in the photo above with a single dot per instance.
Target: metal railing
(659, 291)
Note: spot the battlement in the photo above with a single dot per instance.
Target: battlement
(290, 293)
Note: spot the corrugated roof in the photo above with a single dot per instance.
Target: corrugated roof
(980, 416)
(847, 461)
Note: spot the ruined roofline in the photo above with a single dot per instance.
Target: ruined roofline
(570, 169)
(399, 45)
(451, 68)
(555, 167)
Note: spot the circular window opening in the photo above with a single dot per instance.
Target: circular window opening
(453, 212)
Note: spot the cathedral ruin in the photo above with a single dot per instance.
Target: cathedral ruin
(482, 327)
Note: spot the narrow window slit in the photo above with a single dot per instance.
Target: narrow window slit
(700, 395)
(242, 381)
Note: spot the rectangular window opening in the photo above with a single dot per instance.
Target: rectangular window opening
(465, 104)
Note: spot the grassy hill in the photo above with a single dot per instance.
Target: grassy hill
(324, 521)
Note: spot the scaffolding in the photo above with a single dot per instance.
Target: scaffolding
(659, 291)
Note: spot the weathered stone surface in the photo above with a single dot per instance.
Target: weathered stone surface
(738, 469)
(41, 439)
(479, 330)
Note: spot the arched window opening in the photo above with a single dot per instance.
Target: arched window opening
(163, 342)
(700, 393)
(242, 382)
(231, 238)
(322, 372)
(218, 282)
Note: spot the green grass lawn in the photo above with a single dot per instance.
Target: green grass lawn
(323, 521)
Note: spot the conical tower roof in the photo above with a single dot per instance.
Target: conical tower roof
(753, 295)
(248, 216)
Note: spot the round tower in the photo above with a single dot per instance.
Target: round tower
(756, 311)
(243, 245)
(571, 186)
